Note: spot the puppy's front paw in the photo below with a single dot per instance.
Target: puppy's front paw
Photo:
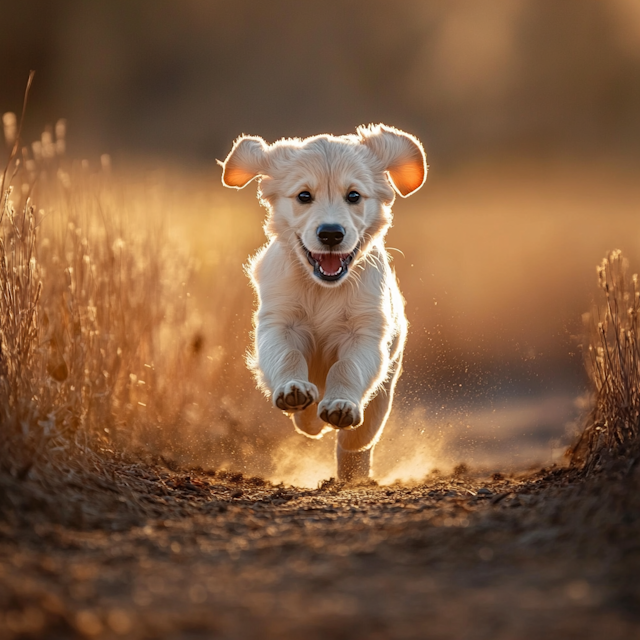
(342, 414)
(295, 396)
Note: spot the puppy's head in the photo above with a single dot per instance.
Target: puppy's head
(329, 198)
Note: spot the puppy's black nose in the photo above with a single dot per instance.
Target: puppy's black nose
(330, 234)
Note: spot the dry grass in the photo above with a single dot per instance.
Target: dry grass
(110, 337)
(613, 365)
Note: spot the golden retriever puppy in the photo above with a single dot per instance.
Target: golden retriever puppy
(330, 325)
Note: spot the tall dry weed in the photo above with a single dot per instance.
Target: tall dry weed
(116, 334)
(613, 365)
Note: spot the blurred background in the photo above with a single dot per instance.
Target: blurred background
(530, 114)
(531, 77)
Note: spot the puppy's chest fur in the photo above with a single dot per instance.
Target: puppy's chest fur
(329, 318)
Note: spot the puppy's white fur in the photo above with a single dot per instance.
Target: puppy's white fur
(329, 352)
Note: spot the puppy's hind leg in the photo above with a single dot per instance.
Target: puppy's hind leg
(354, 451)
(353, 465)
(309, 424)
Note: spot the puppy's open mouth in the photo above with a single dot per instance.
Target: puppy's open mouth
(329, 266)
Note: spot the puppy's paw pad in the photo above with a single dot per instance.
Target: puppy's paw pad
(342, 414)
(295, 396)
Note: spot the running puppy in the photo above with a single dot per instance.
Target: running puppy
(330, 326)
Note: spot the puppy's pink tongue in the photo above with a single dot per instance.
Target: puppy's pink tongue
(330, 262)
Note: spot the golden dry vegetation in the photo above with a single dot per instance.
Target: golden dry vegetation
(126, 313)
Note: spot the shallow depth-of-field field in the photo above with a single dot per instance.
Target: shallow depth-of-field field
(148, 490)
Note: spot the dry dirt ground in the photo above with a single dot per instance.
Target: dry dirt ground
(139, 550)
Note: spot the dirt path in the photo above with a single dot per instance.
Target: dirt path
(154, 553)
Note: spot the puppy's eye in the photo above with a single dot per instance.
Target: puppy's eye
(353, 197)
(304, 197)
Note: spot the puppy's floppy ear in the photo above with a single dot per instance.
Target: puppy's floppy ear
(246, 161)
(401, 154)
